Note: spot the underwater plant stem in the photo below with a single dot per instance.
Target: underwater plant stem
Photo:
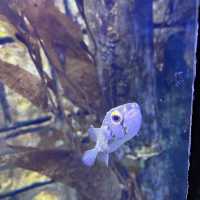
(24, 127)
(25, 189)
(81, 10)
(5, 105)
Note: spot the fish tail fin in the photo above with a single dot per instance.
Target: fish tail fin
(89, 157)
(103, 157)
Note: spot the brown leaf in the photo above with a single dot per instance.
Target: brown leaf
(22, 82)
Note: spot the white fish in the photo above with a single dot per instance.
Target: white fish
(120, 125)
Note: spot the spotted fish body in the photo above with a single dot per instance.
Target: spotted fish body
(120, 125)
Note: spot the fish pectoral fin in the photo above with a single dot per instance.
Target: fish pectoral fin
(103, 157)
(93, 132)
(89, 157)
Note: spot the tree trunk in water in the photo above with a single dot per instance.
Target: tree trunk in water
(124, 34)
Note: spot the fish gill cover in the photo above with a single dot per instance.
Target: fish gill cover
(63, 65)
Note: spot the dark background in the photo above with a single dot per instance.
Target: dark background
(194, 171)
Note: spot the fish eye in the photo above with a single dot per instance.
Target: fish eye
(116, 117)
